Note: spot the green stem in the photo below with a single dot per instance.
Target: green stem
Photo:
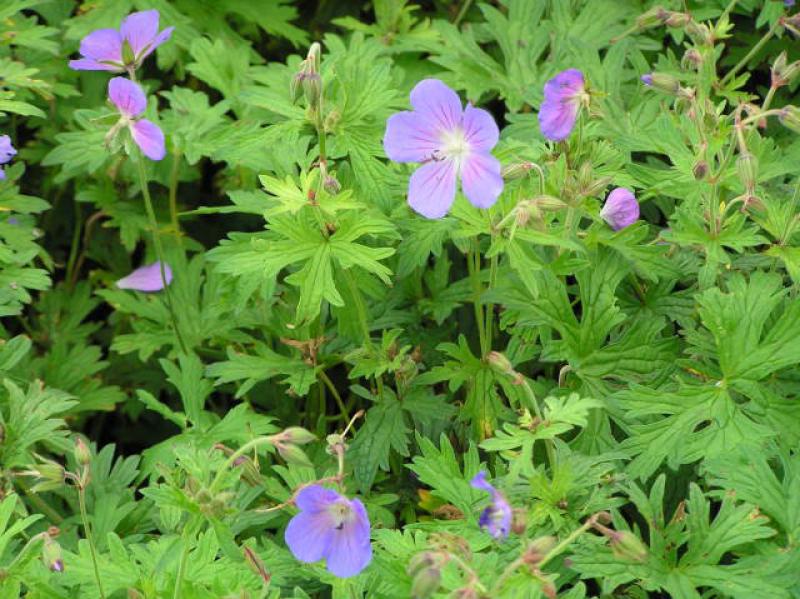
(184, 560)
(555, 551)
(89, 538)
(749, 56)
(345, 413)
(463, 12)
(173, 194)
(73, 249)
(361, 310)
(490, 306)
(42, 505)
(151, 215)
(548, 443)
(253, 443)
(474, 268)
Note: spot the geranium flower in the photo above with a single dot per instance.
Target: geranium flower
(7, 152)
(118, 51)
(147, 278)
(452, 143)
(131, 102)
(563, 95)
(330, 527)
(496, 518)
(621, 209)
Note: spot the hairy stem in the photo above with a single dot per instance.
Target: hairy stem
(88, 530)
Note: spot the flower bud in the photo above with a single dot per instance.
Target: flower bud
(652, 18)
(502, 365)
(135, 594)
(331, 184)
(692, 58)
(314, 57)
(52, 556)
(627, 546)
(747, 167)
(548, 203)
(790, 117)
(426, 583)
(700, 170)
(700, 34)
(296, 87)
(538, 549)
(292, 454)
(517, 170)
(676, 19)
(312, 89)
(426, 559)
(82, 454)
(297, 435)
(668, 84)
(782, 73)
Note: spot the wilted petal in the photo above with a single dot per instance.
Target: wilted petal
(150, 139)
(559, 110)
(127, 96)
(481, 179)
(147, 278)
(140, 30)
(434, 100)
(621, 209)
(480, 129)
(309, 535)
(350, 551)
(103, 45)
(432, 188)
(411, 137)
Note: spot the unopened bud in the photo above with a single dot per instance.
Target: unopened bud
(652, 18)
(331, 184)
(747, 167)
(700, 170)
(548, 203)
(502, 365)
(298, 435)
(549, 589)
(628, 547)
(314, 57)
(134, 594)
(52, 556)
(426, 583)
(312, 89)
(676, 19)
(82, 454)
(700, 34)
(519, 522)
(296, 87)
(426, 559)
(293, 454)
(538, 549)
(663, 82)
(790, 117)
(692, 58)
(782, 73)
(517, 170)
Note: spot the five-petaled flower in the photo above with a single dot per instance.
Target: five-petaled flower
(621, 209)
(496, 518)
(563, 95)
(331, 527)
(147, 278)
(131, 102)
(7, 152)
(118, 51)
(451, 142)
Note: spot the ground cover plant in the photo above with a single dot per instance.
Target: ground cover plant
(392, 299)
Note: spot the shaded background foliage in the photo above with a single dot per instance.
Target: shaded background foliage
(628, 337)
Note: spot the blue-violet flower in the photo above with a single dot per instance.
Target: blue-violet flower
(146, 278)
(7, 152)
(621, 209)
(563, 95)
(496, 518)
(131, 102)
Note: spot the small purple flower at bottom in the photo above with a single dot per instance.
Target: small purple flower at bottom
(7, 152)
(131, 102)
(621, 209)
(452, 143)
(112, 50)
(330, 527)
(563, 95)
(496, 518)
(647, 79)
(146, 278)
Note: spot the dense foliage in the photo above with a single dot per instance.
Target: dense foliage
(271, 328)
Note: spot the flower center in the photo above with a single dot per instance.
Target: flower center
(341, 513)
(455, 145)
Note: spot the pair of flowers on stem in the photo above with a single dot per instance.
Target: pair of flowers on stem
(453, 143)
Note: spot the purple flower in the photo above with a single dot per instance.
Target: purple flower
(788, 3)
(331, 527)
(451, 142)
(562, 100)
(647, 79)
(146, 278)
(7, 152)
(496, 518)
(621, 209)
(131, 102)
(116, 51)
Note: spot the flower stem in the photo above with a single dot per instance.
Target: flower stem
(474, 268)
(361, 310)
(345, 413)
(252, 444)
(89, 537)
(463, 12)
(490, 306)
(173, 194)
(151, 215)
(184, 560)
(749, 56)
(548, 443)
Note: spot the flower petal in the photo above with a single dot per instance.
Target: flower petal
(140, 29)
(481, 179)
(316, 498)
(7, 150)
(350, 550)
(88, 64)
(157, 41)
(127, 96)
(309, 535)
(479, 482)
(434, 100)
(103, 44)
(432, 188)
(621, 209)
(559, 110)
(150, 139)
(411, 137)
(480, 129)
(147, 278)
